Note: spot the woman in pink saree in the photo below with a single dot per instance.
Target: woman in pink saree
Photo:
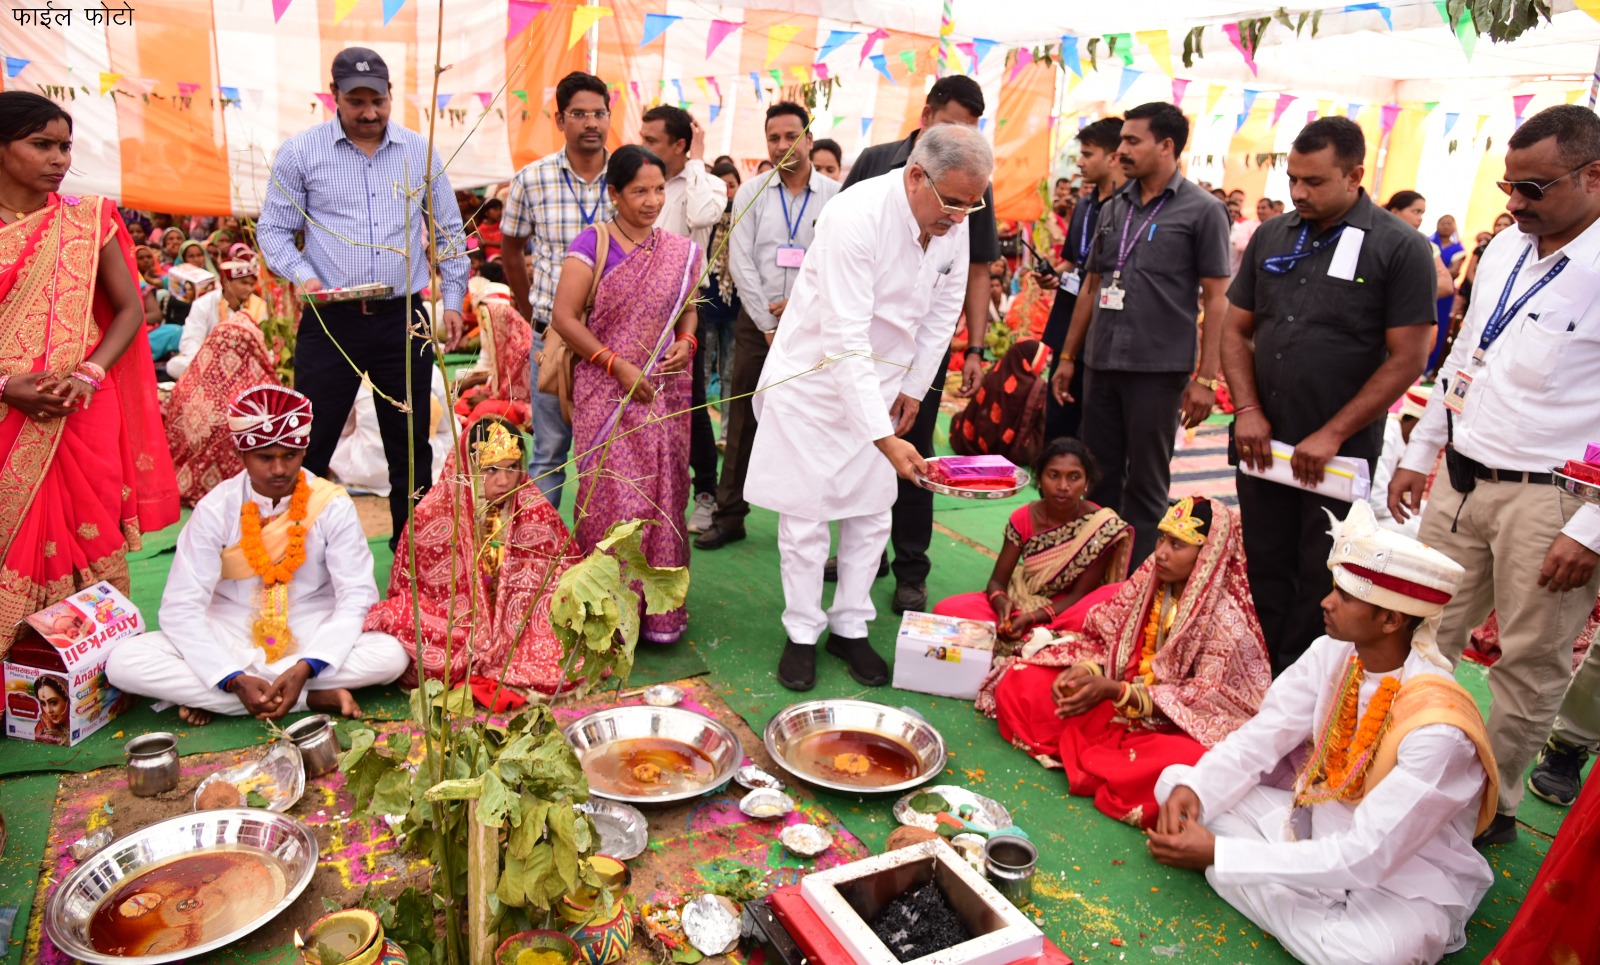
(631, 388)
(84, 467)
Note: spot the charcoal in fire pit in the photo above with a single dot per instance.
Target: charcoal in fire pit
(919, 923)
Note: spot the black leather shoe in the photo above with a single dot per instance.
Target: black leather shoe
(830, 569)
(797, 668)
(1558, 776)
(910, 596)
(716, 537)
(1502, 830)
(865, 665)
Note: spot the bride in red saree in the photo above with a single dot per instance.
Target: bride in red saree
(489, 536)
(84, 467)
(1162, 671)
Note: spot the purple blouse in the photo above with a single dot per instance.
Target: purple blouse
(583, 248)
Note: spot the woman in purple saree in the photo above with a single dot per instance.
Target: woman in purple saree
(630, 392)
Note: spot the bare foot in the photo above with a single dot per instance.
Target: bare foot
(194, 717)
(340, 702)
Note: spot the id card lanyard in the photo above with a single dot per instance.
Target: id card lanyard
(1503, 314)
(1283, 264)
(790, 255)
(1112, 296)
(588, 216)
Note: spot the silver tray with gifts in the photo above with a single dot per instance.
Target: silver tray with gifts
(1586, 491)
(1024, 480)
(355, 293)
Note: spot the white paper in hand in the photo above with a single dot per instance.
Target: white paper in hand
(1344, 478)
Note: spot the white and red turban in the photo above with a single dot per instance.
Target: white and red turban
(270, 415)
(1395, 572)
(1415, 402)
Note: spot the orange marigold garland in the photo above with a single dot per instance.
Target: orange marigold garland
(1337, 768)
(270, 631)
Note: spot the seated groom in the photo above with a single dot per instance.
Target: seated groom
(1368, 858)
(263, 608)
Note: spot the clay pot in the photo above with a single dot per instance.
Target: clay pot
(355, 933)
(542, 940)
(605, 939)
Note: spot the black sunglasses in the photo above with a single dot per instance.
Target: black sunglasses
(1533, 190)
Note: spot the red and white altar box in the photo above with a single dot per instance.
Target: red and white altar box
(55, 675)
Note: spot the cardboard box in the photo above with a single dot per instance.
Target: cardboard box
(948, 656)
(55, 677)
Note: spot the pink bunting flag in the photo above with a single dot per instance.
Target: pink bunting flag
(485, 98)
(1391, 113)
(1024, 58)
(821, 71)
(718, 32)
(279, 8)
(715, 86)
(1284, 100)
(1179, 85)
(188, 90)
(1232, 30)
(520, 13)
(1519, 103)
(327, 101)
(872, 39)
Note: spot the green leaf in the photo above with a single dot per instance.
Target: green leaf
(494, 801)
(464, 789)
(929, 803)
(256, 799)
(540, 881)
(686, 955)
(330, 906)
(392, 794)
(509, 888)
(665, 587)
(563, 824)
(399, 744)
(361, 741)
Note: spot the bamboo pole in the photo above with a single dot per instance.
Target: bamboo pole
(483, 870)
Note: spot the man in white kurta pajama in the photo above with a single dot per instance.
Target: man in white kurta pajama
(875, 305)
(205, 658)
(1386, 874)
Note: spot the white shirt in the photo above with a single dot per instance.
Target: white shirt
(869, 319)
(1410, 836)
(328, 598)
(1393, 445)
(1535, 401)
(761, 230)
(695, 200)
(204, 315)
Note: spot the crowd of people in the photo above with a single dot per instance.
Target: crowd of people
(1185, 664)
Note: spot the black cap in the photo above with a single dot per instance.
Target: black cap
(356, 67)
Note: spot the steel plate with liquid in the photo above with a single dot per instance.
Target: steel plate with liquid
(182, 887)
(653, 755)
(855, 745)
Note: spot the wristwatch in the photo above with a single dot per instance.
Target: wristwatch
(1208, 383)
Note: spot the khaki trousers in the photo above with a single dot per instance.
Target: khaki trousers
(1579, 721)
(1501, 536)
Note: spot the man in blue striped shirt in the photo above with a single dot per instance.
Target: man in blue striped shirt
(357, 187)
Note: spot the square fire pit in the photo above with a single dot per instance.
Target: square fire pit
(846, 898)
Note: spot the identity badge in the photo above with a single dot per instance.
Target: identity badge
(790, 256)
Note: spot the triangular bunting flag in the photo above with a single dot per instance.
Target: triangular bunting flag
(1232, 31)
(821, 70)
(871, 41)
(1073, 80)
(186, 89)
(755, 80)
(342, 8)
(14, 65)
(230, 94)
(278, 9)
(880, 63)
(522, 95)
(777, 76)
(1592, 8)
(909, 58)
(327, 101)
(1388, 16)
(801, 74)
(715, 110)
(108, 81)
(1249, 98)
(485, 98)
(1324, 108)
(1427, 108)
(718, 32)
(1213, 94)
(656, 24)
(981, 48)
(1482, 120)
(1123, 44)
(1129, 77)
(1238, 123)
(1069, 54)
(1467, 33)
(677, 85)
(1450, 119)
(1159, 43)
(1024, 58)
(983, 123)
(1353, 111)
(705, 91)
(390, 8)
(1391, 113)
(836, 39)
(584, 18)
(716, 87)
(1310, 116)
(1519, 103)
(1179, 85)
(1284, 100)
(866, 122)
(520, 13)
(443, 99)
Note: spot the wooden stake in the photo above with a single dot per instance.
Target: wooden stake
(483, 872)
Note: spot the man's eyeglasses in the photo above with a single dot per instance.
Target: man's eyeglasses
(581, 116)
(1533, 190)
(955, 208)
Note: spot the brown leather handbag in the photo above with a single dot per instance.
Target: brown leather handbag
(556, 360)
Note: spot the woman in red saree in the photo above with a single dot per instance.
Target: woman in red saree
(1062, 554)
(489, 537)
(1169, 666)
(1556, 924)
(631, 387)
(83, 462)
(233, 357)
(500, 384)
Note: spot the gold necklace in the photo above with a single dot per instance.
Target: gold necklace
(17, 215)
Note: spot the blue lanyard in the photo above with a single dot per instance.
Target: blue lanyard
(1126, 242)
(1086, 228)
(799, 218)
(589, 215)
(1283, 264)
(1502, 314)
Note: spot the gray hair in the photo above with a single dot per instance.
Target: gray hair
(948, 148)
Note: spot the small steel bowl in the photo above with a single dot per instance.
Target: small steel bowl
(751, 778)
(766, 805)
(806, 840)
(624, 832)
(592, 734)
(986, 813)
(662, 695)
(67, 917)
(797, 721)
(282, 763)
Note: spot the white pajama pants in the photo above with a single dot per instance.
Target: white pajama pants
(1334, 927)
(150, 665)
(803, 553)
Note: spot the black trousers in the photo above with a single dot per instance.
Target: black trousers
(749, 355)
(1062, 420)
(376, 344)
(702, 440)
(1286, 546)
(911, 523)
(1130, 423)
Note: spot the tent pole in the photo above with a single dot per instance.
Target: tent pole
(592, 41)
(1594, 83)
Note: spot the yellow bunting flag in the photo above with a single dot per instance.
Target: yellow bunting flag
(778, 37)
(1573, 96)
(1213, 94)
(1073, 80)
(704, 90)
(342, 8)
(801, 74)
(108, 81)
(1590, 7)
(1482, 120)
(1160, 45)
(582, 19)
(1324, 108)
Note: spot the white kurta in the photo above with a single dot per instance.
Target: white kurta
(204, 315)
(206, 620)
(1392, 880)
(869, 319)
